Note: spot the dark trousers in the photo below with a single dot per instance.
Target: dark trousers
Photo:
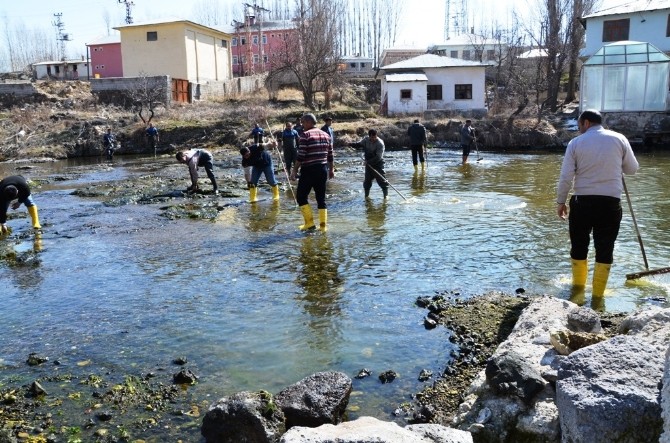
(205, 160)
(598, 214)
(312, 177)
(290, 156)
(370, 174)
(417, 151)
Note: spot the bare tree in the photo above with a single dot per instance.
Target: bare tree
(146, 93)
(107, 19)
(208, 13)
(24, 46)
(576, 34)
(311, 53)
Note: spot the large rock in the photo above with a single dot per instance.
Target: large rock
(609, 392)
(493, 410)
(319, 399)
(251, 417)
(371, 430)
(665, 399)
(509, 374)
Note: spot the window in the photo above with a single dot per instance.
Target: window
(405, 94)
(616, 30)
(256, 58)
(244, 59)
(243, 40)
(454, 54)
(667, 27)
(152, 36)
(265, 39)
(224, 44)
(463, 92)
(352, 65)
(234, 41)
(265, 59)
(254, 39)
(234, 59)
(478, 54)
(490, 54)
(362, 65)
(434, 92)
(466, 54)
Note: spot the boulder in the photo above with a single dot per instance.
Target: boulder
(665, 400)
(609, 392)
(319, 399)
(371, 430)
(531, 416)
(244, 416)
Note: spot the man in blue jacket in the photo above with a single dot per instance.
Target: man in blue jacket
(261, 163)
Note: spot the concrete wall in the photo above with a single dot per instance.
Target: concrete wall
(230, 88)
(118, 90)
(22, 89)
(415, 105)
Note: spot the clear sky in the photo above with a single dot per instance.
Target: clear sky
(84, 20)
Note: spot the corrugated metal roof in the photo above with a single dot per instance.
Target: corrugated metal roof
(406, 77)
(632, 7)
(432, 61)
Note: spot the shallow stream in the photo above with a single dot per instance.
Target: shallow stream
(253, 303)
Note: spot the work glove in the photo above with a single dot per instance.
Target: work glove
(4, 229)
(16, 205)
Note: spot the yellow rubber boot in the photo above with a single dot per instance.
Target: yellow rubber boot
(323, 219)
(307, 215)
(416, 168)
(253, 193)
(580, 271)
(423, 166)
(275, 192)
(601, 273)
(32, 210)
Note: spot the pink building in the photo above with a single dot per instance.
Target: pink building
(250, 57)
(105, 55)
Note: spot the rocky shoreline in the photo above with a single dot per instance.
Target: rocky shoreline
(533, 402)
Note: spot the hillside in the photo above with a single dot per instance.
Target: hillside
(65, 121)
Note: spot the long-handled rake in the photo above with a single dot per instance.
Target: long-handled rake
(385, 180)
(276, 147)
(647, 271)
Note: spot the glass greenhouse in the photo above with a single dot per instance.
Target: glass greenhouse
(626, 76)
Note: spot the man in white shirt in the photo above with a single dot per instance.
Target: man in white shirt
(593, 167)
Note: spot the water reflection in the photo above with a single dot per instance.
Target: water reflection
(263, 217)
(376, 216)
(419, 183)
(21, 255)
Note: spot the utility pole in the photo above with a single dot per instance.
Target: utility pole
(129, 4)
(258, 12)
(62, 35)
(459, 19)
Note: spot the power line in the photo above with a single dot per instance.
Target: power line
(62, 35)
(129, 4)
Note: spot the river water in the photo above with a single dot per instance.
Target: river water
(253, 303)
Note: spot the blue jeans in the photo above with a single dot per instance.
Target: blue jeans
(269, 172)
